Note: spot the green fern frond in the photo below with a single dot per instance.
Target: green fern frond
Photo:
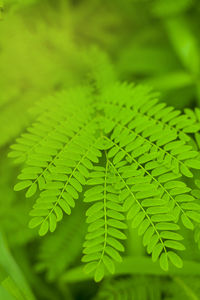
(149, 211)
(59, 150)
(155, 147)
(143, 103)
(147, 154)
(106, 219)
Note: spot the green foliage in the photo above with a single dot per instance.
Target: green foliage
(105, 170)
(145, 154)
(131, 288)
(146, 287)
(106, 221)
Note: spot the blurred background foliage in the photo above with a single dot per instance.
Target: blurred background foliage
(47, 46)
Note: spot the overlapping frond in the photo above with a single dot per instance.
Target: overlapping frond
(144, 137)
(149, 150)
(149, 209)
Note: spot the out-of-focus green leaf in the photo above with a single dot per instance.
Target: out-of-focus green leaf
(184, 42)
(12, 279)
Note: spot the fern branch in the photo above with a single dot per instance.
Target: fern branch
(60, 196)
(141, 207)
(187, 223)
(141, 101)
(102, 246)
(105, 211)
(159, 149)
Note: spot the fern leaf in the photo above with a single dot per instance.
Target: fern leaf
(151, 216)
(133, 156)
(58, 192)
(147, 126)
(106, 222)
(140, 139)
(58, 165)
(150, 156)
